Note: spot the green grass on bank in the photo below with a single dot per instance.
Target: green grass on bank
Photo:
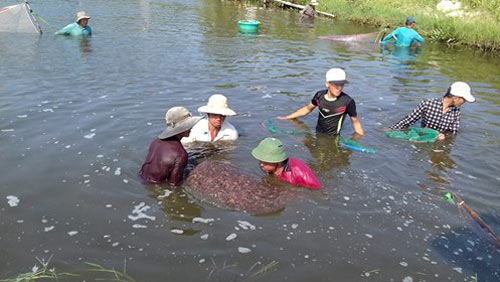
(479, 27)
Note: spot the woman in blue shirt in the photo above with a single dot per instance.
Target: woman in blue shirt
(79, 28)
(404, 36)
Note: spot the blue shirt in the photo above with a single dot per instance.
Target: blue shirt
(404, 37)
(75, 29)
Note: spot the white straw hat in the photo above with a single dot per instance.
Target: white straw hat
(336, 76)
(178, 120)
(81, 15)
(217, 104)
(462, 89)
(314, 2)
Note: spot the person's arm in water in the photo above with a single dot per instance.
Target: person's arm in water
(351, 111)
(390, 36)
(65, 30)
(411, 118)
(300, 112)
(419, 39)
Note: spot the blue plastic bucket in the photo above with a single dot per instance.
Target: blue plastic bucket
(248, 26)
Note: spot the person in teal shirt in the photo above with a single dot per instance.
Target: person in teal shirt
(404, 36)
(79, 28)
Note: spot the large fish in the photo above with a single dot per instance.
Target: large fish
(229, 187)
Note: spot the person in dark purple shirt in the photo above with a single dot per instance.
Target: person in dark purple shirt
(166, 157)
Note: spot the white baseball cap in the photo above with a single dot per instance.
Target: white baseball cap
(462, 89)
(336, 76)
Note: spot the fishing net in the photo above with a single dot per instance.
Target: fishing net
(18, 18)
(273, 129)
(415, 134)
(355, 146)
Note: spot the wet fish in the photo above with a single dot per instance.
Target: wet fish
(229, 187)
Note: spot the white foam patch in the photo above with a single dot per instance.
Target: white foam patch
(231, 236)
(369, 235)
(138, 212)
(166, 193)
(49, 110)
(246, 225)
(8, 130)
(89, 136)
(13, 201)
(267, 96)
(204, 237)
(22, 116)
(177, 231)
(403, 263)
(72, 233)
(202, 220)
(139, 226)
(244, 250)
(49, 228)
(458, 269)
(408, 279)
(118, 171)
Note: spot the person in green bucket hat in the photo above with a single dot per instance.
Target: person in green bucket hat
(275, 161)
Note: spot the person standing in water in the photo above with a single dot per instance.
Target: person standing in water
(405, 35)
(310, 10)
(79, 28)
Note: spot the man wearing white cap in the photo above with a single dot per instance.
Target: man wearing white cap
(441, 114)
(166, 157)
(79, 28)
(333, 105)
(214, 127)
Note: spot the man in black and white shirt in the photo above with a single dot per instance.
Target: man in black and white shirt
(441, 114)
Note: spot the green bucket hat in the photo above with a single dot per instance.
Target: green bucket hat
(270, 150)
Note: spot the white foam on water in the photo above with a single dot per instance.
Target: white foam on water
(67, 146)
(166, 193)
(118, 171)
(72, 233)
(49, 228)
(149, 123)
(93, 130)
(139, 226)
(201, 261)
(458, 269)
(115, 244)
(295, 225)
(8, 130)
(177, 231)
(13, 201)
(246, 225)
(22, 116)
(204, 237)
(408, 279)
(48, 110)
(403, 263)
(267, 96)
(346, 198)
(202, 220)
(369, 235)
(89, 136)
(244, 250)
(231, 236)
(471, 177)
(109, 206)
(125, 181)
(138, 212)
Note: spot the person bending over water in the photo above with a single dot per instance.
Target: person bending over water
(274, 161)
(78, 28)
(166, 157)
(404, 36)
(333, 105)
(441, 114)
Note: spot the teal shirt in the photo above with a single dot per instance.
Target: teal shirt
(75, 29)
(404, 37)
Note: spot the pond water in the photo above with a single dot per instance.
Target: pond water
(77, 116)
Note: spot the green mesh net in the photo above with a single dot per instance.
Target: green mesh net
(415, 134)
(355, 146)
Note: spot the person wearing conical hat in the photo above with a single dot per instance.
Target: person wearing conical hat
(215, 127)
(310, 10)
(441, 114)
(79, 28)
(274, 161)
(166, 157)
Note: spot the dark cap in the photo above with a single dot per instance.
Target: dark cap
(410, 20)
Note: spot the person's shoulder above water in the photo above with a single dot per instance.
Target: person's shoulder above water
(300, 174)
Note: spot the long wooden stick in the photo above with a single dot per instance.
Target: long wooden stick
(476, 217)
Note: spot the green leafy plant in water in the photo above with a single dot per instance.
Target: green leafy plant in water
(115, 275)
(40, 273)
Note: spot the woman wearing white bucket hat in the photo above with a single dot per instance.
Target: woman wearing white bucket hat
(441, 114)
(78, 28)
(166, 157)
(214, 127)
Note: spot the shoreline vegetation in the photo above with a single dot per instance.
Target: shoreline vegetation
(476, 23)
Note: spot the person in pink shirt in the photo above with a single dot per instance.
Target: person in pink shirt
(274, 160)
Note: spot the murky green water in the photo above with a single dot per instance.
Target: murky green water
(77, 116)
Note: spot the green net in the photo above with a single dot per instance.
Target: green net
(415, 134)
(355, 146)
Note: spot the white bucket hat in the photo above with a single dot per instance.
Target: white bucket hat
(336, 76)
(462, 89)
(217, 104)
(178, 120)
(314, 3)
(81, 15)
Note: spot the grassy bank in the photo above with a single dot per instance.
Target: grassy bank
(479, 26)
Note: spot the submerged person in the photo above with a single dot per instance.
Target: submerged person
(214, 127)
(274, 161)
(310, 10)
(78, 28)
(166, 157)
(441, 114)
(404, 36)
(333, 105)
